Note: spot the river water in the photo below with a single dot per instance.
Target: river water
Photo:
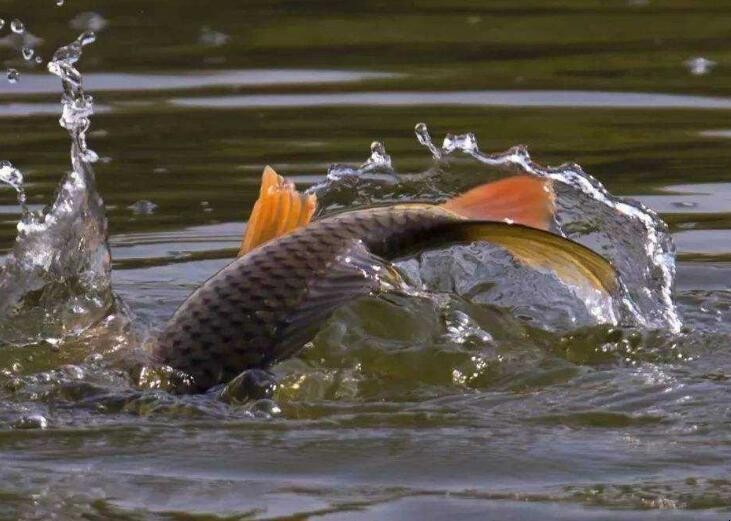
(399, 409)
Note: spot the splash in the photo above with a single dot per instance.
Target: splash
(56, 281)
(630, 235)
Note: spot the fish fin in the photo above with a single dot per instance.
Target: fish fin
(573, 263)
(521, 199)
(279, 210)
(354, 273)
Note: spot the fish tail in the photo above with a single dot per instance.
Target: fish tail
(521, 199)
(573, 263)
(516, 214)
(279, 210)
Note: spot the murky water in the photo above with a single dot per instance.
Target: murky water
(403, 408)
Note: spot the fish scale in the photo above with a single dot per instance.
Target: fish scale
(233, 322)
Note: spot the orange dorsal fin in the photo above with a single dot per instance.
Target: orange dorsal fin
(279, 210)
(522, 199)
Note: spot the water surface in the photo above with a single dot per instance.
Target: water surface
(374, 423)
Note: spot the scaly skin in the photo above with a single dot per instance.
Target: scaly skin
(266, 305)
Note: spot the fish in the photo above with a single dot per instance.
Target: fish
(293, 270)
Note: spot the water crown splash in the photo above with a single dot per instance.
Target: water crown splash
(631, 236)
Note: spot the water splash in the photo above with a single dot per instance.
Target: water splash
(77, 106)
(632, 236)
(56, 281)
(423, 137)
(379, 158)
(14, 178)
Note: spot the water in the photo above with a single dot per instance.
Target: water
(17, 26)
(405, 408)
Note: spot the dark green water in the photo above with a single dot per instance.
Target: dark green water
(374, 424)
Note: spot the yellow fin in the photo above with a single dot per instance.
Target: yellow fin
(279, 210)
(572, 262)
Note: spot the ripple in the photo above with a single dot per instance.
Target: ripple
(690, 198)
(106, 81)
(10, 110)
(498, 98)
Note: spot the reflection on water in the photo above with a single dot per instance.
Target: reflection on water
(386, 414)
(43, 84)
(484, 98)
(691, 199)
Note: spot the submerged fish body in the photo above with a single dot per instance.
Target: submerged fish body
(264, 306)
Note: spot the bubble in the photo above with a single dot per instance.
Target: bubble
(39, 60)
(2, 23)
(27, 53)
(59, 3)
(13, 75)
(17, 26)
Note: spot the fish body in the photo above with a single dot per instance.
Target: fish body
(264, 306)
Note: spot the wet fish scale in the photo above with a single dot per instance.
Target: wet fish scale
(237, 319)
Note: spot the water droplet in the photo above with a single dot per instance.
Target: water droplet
(89, 21)
(212, 38)
(13, 177)
(17, 26)
(28, 53)
(87, 37)
(466, 143)
(13, 75)
(2, 23)
(379, 158)
(699, 66)
(77, 107)
(422, 135)
(143, 207)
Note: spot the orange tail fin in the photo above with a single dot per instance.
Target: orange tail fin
(522, 199)
(279, 210)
